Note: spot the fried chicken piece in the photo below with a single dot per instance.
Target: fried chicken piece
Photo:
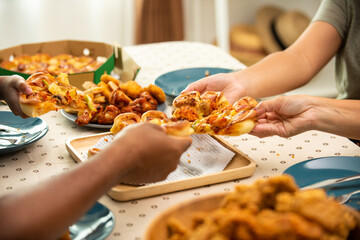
(325, 211)
(131, 88)
(157, 93)
(106, 78)
(243, 224)
(84, 117)
(142, 104)
(108, 115)
(119, 99)
(105, 90)
(95, 115)
(287, 225)
(261, 194)
(177, 231)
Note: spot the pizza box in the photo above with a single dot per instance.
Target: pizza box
(240, 166)
(114, 57)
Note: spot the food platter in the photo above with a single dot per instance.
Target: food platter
(185, 211)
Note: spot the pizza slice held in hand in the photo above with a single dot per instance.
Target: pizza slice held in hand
(195, 113)
(52, 93)
(215, 115)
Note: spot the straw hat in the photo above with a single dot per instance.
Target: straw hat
(279, 28)
(246, 44)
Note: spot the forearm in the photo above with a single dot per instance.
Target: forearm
(141, 153)
(295, 66)
(341, 117)
(59, 202)
(277, 73)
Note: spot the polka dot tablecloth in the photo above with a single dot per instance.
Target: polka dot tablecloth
(48, 156)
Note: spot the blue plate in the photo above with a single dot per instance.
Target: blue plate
(16, 132)
(96, 224)
(315, 170)
(172, 83)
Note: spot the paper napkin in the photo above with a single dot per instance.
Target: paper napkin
(204, 156)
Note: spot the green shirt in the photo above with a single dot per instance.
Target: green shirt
(344, 15)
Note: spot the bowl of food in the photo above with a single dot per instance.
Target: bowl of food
(268, 209)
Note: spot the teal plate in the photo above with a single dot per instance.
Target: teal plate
(96, 224)
(17, 132)
(173, 83)
(319, 169)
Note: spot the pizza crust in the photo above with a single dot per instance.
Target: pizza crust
(239, 128)
(36, 110)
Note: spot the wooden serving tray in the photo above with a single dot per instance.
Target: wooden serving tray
(240, 166)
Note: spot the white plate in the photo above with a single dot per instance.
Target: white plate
(72, 117)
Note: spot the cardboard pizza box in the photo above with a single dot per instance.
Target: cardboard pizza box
(113, 56)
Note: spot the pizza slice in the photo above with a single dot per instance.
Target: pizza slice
(216, 116)
(52, 93)
(232, 120)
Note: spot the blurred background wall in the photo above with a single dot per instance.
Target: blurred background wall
(27, 21)
(24, 21)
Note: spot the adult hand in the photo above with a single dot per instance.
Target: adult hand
(224, 82)
(150, 154)
(10, 89)
(285, 116)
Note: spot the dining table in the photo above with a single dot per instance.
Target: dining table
(49, 157)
